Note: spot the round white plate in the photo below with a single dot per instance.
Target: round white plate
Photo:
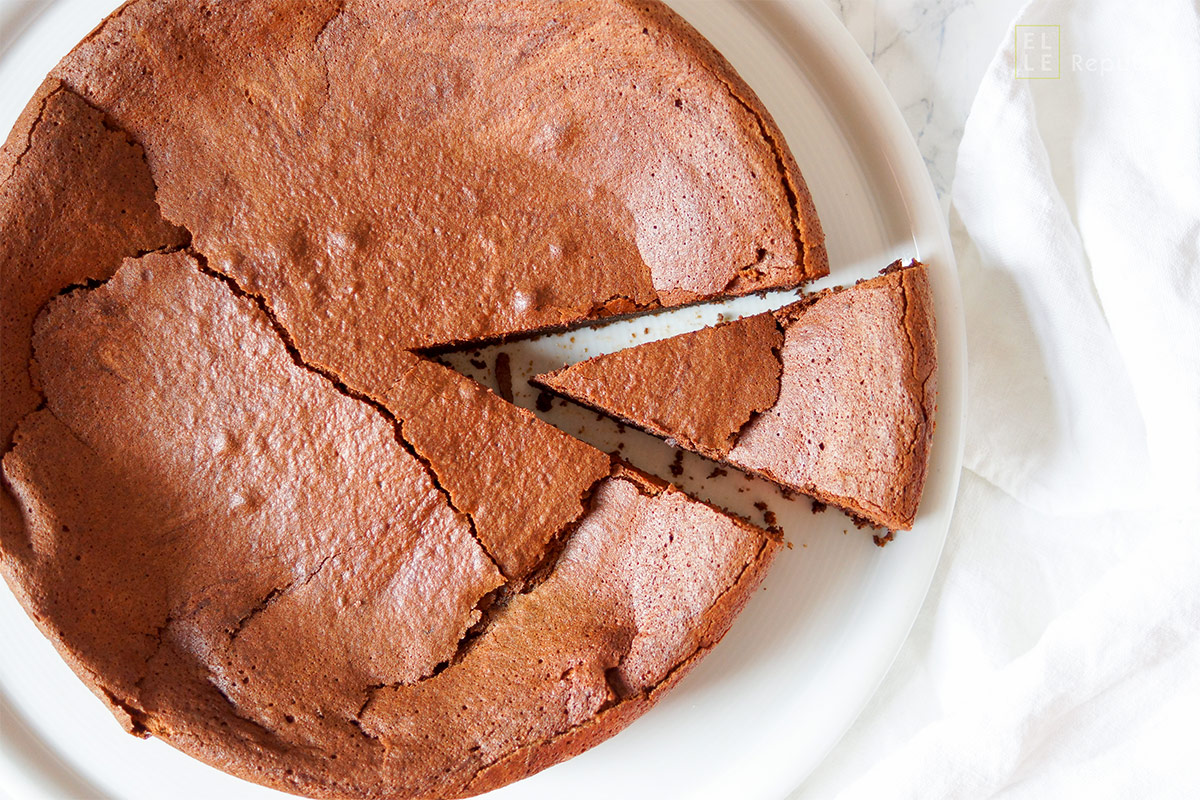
(803, 659)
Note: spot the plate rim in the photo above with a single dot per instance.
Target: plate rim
(931, 239)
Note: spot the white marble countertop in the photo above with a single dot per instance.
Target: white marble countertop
(931, 55)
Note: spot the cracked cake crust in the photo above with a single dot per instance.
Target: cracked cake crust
(857, 406)
(505, 208)
(245, 626)
(251, 600)
(61, 147)
(492, 440)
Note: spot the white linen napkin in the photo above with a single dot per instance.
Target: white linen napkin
(1058, 653)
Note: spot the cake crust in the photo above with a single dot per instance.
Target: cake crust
(504, 208)
(337, 662)
(238, 499)
(852, 382)
(521, 481)
(856, 411)
(76, 199)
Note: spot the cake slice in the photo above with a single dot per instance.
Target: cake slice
(832, 396)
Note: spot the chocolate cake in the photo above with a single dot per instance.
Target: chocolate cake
(832, 396)
(240, 498)
(491, 444)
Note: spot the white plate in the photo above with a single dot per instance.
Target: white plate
(803, 659)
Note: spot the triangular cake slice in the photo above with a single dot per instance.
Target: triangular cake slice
(832, 396)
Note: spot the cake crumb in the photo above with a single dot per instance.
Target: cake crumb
(881, 541)
(768, 515)
(789, 545)
(863, 522)
(504, 376)
(620, 427)
(647, 330)
(545, 401)
(718, 473)
(677, 465)
(818, 506)
(478, 363)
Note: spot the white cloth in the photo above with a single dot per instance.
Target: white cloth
(1058, 653)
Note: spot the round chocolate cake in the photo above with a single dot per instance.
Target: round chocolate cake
(243, 500)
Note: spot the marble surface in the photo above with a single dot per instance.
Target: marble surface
(931, 54)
